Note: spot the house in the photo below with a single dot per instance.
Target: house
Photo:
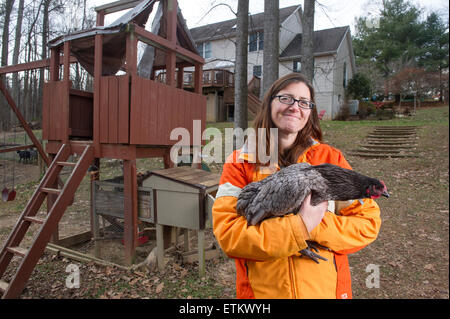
(334, 61)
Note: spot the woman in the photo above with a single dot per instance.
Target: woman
(268, 262)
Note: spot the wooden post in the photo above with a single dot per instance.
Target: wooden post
(94, 176)
(198, 75)
(66, 80)
(130, 210)
(24, 124)
(54, 64)
(66, 75)
(201, 252)
(97, 77)
(100, 18)
(180, 77)
(171, 8)
(51, 198)
(131, 51)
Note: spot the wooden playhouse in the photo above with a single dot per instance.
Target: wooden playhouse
(127, 116)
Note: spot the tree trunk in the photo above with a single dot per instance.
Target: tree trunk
(271, 43)
(240, 72)
(15, 60)
(307, 48)
(44, 40)
(4, 108)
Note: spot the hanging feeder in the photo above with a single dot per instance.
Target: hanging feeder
(5, 194)
(11, 195)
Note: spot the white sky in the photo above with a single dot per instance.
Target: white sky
(329, 13)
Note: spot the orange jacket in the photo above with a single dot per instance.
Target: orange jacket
(268, 263)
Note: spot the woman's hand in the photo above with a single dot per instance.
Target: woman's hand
(312, 215)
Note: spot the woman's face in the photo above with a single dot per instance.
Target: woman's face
(291, 119)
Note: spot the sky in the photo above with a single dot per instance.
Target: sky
(329, 13)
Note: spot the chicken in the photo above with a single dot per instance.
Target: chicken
(283, 192)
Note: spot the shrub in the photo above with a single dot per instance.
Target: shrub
(365, 109)
(344, 113)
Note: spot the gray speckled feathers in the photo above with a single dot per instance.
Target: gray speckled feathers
(284, 191)
(280, 193)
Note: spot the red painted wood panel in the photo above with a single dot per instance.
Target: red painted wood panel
(54, 118)
(156, 109)
(124, 107)
(114, 109)
(45, 111)
(113, 106)
(104, 109)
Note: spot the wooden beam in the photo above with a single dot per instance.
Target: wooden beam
(130, 210)
(100, 18)
(117, 6)
(131, 53)
(97, 79)
(66, 59)
(171, 7)
(198, 78)
(54, 65)
(170, 68)
(164, 44)
(32, 65)
(24, 123)
(15, 148)
(180, 78)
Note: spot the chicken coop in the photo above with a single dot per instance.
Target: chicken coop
(182, 197)
(128, 115)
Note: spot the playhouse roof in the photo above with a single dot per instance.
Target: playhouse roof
(114, 39)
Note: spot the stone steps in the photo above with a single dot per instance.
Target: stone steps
(388, 141)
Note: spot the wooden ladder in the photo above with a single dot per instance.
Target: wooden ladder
(65, 195)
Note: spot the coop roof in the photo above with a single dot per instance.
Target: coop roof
(114, 39)
(193, 177)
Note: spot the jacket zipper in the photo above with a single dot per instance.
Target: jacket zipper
(291, 276)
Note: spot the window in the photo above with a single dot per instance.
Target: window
(256, 41)
(204, 49)
(257, 70)
(296, 66)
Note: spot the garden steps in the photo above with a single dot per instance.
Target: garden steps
(389, 141)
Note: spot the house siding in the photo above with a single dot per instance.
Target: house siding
(328, 78)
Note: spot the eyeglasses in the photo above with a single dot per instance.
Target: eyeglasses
(289, 100)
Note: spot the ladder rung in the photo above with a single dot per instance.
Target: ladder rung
(17, 251)
(51, 190)
(3, 286)
(36, 220)
(67, 164)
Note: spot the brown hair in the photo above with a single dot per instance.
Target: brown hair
(264, 120)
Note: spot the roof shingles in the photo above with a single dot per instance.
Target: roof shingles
(227, 29)
(325, 41)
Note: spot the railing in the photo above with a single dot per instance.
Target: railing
(254, 86)
(213, 77)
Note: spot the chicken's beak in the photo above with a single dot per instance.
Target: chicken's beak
(385, 194)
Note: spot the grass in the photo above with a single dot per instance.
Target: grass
(412, 249)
